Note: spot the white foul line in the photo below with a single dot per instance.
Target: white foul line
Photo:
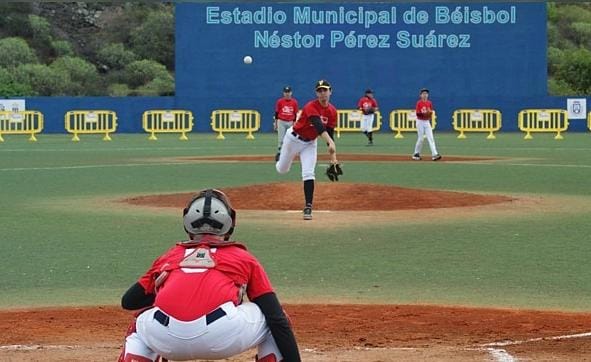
(555, 338)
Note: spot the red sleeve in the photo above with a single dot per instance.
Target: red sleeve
(375, 103)
(258, 283)
(418, 108)
(295, 107)
(360, 103)
(277, 107)
(148, 279)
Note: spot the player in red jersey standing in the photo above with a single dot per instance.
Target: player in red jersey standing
(424, 111)
(286, 109)
(301, 140)
(193, 296)
(368, 105)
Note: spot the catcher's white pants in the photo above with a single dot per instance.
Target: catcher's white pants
(242, 328)
(282, 127)
(293, 146)
(424, 129)
(367, 122)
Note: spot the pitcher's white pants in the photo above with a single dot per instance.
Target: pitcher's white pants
(242, 328)
(293, 146)
(424, 129)
(367, 122)
(282, 127)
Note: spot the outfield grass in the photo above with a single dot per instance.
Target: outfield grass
(63, 244)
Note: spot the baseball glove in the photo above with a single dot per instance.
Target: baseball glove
(334, 171)
(370, 110)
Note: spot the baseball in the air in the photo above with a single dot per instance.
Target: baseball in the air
(247, 59)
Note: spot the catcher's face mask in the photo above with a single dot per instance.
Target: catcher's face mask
(210, 212)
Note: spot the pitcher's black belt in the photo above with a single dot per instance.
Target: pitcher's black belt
(300, 137)
(163, 319)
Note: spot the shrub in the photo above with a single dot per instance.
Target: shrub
(62, 48)
(118, 90)
(44, 80)
(154, 39)
(116, 56)
(576, 70)
(15, 51)
(141, 72)
(558, 87)
(159, 86)
(555, 59)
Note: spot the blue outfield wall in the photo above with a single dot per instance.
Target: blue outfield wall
(470, 55)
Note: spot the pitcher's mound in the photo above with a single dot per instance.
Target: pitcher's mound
(331, 196)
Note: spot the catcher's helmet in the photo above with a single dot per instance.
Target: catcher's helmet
(210, 212)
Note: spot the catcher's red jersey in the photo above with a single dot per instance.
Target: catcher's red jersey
(422, 108)
(366, 102)
(234, 268)
(286, 109)
(327, 114)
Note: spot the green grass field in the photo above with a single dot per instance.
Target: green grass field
(63, 243)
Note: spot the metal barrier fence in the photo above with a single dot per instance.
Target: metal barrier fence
(405, 120)
(349, 120)
(543, 120)
(589, 121)
(235, 121)
(477, 120)
(91, 122)
(167, 121)
(21, 123)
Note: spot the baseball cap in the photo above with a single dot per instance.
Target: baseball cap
(322, 84)
(424, 90)
(368, 91)
(286, 89)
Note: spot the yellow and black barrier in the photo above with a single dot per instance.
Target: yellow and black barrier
(405, 120)
(91, 122)
(477, 120)
(589, 121)
(543, 120)
(349, 120)
(235, 121)
(21, 123)
(167, 121)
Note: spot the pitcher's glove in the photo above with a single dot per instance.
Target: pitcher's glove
(334, 171)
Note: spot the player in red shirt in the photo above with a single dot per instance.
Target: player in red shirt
(301, 140)
(368, 105)
(193, 295)
(424, 112)
(286, 109)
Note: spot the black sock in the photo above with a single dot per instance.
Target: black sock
(370, 136)
(309, 192)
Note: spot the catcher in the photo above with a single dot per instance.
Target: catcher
(301, 140)
(368, 105)
(192, 296)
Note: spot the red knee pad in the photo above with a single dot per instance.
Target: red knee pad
(268, 358)
(135, 358)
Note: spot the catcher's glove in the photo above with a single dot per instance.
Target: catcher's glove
(334, 171)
